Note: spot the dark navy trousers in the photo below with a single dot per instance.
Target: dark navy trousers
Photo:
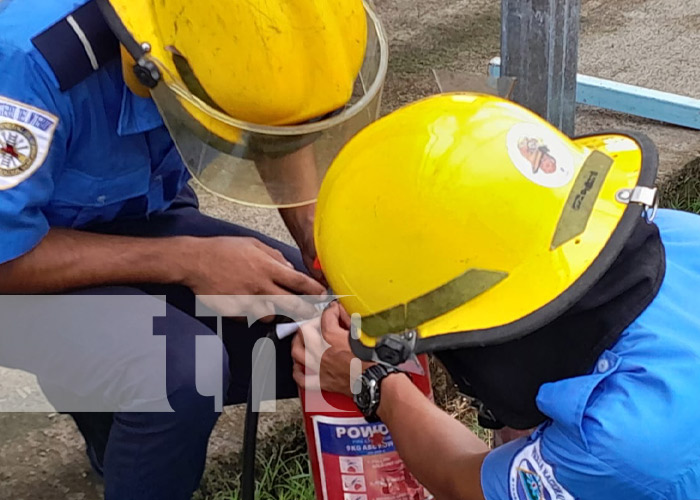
(147, 455)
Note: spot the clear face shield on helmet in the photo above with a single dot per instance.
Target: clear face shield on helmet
(267, 166)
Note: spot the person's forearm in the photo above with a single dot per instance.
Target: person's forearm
(290, 179)
(299, 220)
(67, 259)
(441, 452)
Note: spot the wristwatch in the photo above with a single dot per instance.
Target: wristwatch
(367, 391)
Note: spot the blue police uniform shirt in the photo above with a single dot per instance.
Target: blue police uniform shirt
(629, 430)
(91, 154)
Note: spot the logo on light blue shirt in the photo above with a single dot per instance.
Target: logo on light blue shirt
(532, 478)
(530, 483)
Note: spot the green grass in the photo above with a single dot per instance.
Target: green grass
(282, 471)
(681, 191)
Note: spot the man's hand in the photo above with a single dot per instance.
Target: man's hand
(221, 268)
(226, 272)
(324, 355)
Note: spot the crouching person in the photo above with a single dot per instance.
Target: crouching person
(538, 271)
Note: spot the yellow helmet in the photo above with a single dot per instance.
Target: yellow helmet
(465, 220)
(270, 63)
(242, 76)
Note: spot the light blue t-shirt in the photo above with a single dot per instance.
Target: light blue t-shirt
(629, 430)
(93, 153)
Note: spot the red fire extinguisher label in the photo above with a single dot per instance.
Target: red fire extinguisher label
(358, 461)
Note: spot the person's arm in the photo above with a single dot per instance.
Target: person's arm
(67, 259)
(226, 267)
(291, 178)
(300, 223)
(440, 452)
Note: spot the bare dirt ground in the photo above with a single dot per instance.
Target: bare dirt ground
(654, 43)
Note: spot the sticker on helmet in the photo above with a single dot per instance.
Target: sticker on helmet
(25, 137)
(532, 478)
(540, 155)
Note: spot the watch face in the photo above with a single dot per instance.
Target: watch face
(363, 399)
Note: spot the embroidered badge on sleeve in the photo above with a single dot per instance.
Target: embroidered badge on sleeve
(26, 133)
(532, 478)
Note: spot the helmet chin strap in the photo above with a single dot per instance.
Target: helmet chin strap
(130, 78)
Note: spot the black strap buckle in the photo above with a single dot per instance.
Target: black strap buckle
(486, 417)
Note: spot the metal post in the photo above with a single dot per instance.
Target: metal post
(539, 47)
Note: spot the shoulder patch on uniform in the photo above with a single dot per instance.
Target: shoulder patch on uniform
(532, 478)
(26, 134)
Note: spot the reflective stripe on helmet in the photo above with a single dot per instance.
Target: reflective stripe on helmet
(582, 198)
(454, 293)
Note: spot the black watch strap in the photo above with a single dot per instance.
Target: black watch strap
(368, 396)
